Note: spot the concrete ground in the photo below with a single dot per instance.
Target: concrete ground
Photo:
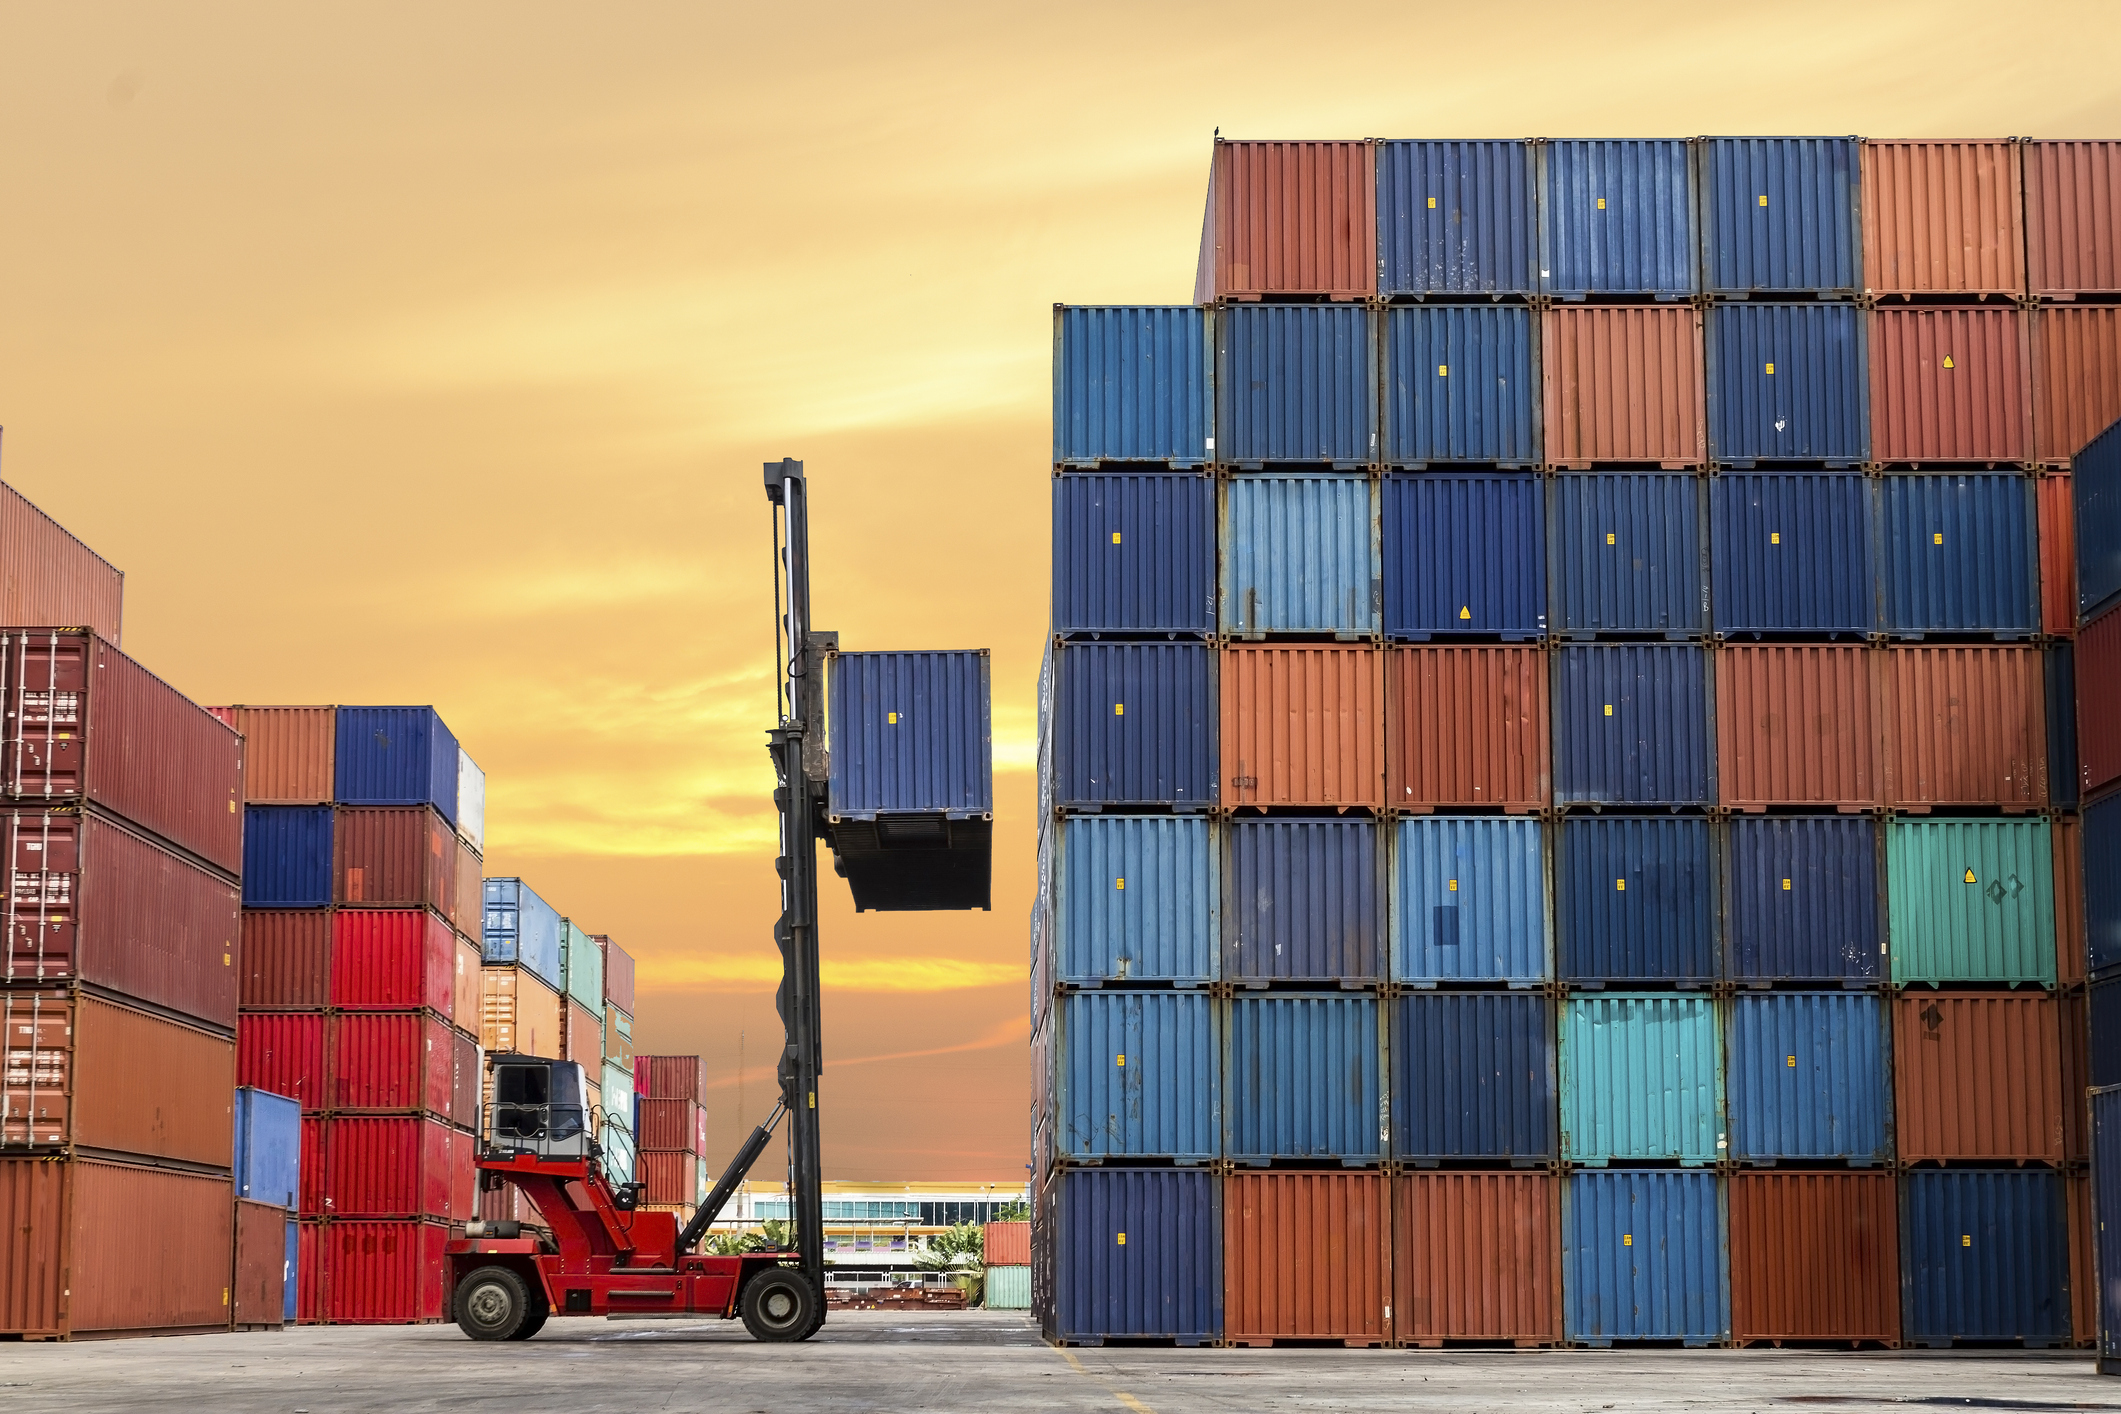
(980, 1362)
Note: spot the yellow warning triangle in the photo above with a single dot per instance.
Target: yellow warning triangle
(1466, 612)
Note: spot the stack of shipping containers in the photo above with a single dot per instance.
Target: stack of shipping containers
(672, 1131)
(522, 1001)
(615, 1131)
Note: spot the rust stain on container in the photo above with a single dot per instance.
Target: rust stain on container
(1624, 384)
(1304, 1257)
(2076, 355)
(2068, 837)
(258, 1291)
(287, 959)
(1289, 218)
(1468, 726)
(87, 1073)
(1942, 218)
(49, 577)
(2072, 217)
(518, 1012)
(1477, 1257)
(1797, 725)
(1975, 1076)
(2058, 556)
(1303, 725)
(288, 753)
(1950, 385)
(1964, 726)
(391, 857)
(1815, 1256)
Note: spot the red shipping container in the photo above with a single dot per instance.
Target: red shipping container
(1815, 1256)
(2083, 1262)
(391, 856)
(2076, 378)
(672, 1077)
(1304, 1258)
(1797, 724)
(670, 1124)
(2072, 218)
(258, 1295)
(381, 1273)
(618, 974)
(49, 577)
(389, 959)
(309, 1299)
(641, 1074)
(283, 1052)
(1942, 218)
(2058, 556)
(396, 1166)
(671, 1177)
(391, 1060)
(2076, 1076)
(286, 959)
(96, 902)
(1478, 1257)
(2070, 939)
(2098, 668)
(311, 1201)
(1965, 726)
(469, 1073)
(1975, 1076)
(86, 1073)
(289, 753)
(1950, 385)
(1007, 1245)
(130, 743)
(1624, 384)
(1303, 725)
(1468, 726)
(1289, 218)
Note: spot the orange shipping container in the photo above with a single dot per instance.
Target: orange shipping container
(1007, 1245)
(2076, 1077)
(1477, 1257)
(2072, 218)
(1975, 1076)
(1624, 383)
(1289, 218)
(48, 578)
(2069, 900)
(1303, 725)
(1950, 385)
(1468, 726)
(1815, 1256)
(2058, 556)
(1304, 1258)
(1797, 725)
(1964, 726)
(2083, 1263)
(288, 753)
(1942, 218)
(84, 1073)
(2076, 355)
(518, 1012)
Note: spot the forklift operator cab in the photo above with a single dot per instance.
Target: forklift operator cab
(538, 1109)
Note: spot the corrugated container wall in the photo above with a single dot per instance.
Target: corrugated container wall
(1131, 383)
(1468, 726)
(1942, 218)
(1296, 383)
(1975, 1076)
(2056, 530)
(2058, 664)
(1787, 382)
(1137, 1252)
(268, 1147)
(1469, 900)
(1618, 218)
(1289, 218)
(1133, 552)
(1135, 724)
(2102, 885)
(1779, 214)
(1641, 1078)
(2072, 217)
(1304, 1257)
(2095, 478)
(1950, 385)
(1797, 724)
(1301, 1072)
(1625, 554)
(2076, 354)
(1971, 900)
(1800, 897)
(582, 968)
(396, 756)
(1303, 902)
(287, 856)
(2106, 1214)
(1793, 553)
(471, 801)
(1302, 725)
(1138, 1075)
(2097, 668)
(519, 927)
(519, 1011)
(1635, 900)
(1987, 1257)
(1959, 554)
(47, 576)
(388, 855)
(1965, 726)
(910, 734)
(618, 976)
(1457, 219)
(1464, 554)
(1476, 1257)
(1473, 1077)
(1808, 1077)
(1631, 725)
(287, 753)
(1815, 1256)
(1623, 384)
(1644, 1258)
(74, 1080)
(1138, 900)
(1300, 555)
(388, 958)
(1461, 385)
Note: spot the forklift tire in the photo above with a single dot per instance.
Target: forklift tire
(779, 1305)
(494, 1303)
(539, 1310)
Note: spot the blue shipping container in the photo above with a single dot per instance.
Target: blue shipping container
(1801, 899)
(1641, 1078)
(2103, 1016)
(1131, 383)
(1625, 554)
(1297, 383)
(1787, 382)
(1473, 1077)
(268, 1154)
(1959, 555)
(1136, 1075)
(1137, 1252)
(1303, 1079)
(1986, 1257)
(1461, 385)
(396, 756)
(1809, 1076)
(1135, 724)
(1644, 1257)
(2106, 1221)
(1635, 900)
(1299, 555)
(1469, 900)
(522, 928)
(2095, 487)
(287, 856)
(2060, 671)
(1618, 218)
(1792, 553)
(1631, 725)
(1465, 554)
(911, 734)
(1304, 902)
(1456, 218)
(1138, 899)
(291, 1273)
(2102, 886)
(1133, 552)
(1779, 214)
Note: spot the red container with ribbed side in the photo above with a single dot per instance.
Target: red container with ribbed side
(1950, 387)
(1477, 1257)
(671, 1177)
(2098, 666)
(2075, 1020)
(288, 753)
(1303, 724)
(396, 1166)
(1814, 1257)
(1289, 218)
(286, 959)
(1624, 385)
(669, 1124)
(2058, 555)
(1007, 1245)
(283, 1052)
(2076, 353)
(49, 577)
(1942, 218)
(393, 857)
(2068, 837)
(2072, 218)
(618, 974)
(470, 891)
(1467, 726)
(379, 1273)
(1797, 724)
(1965, 726)
(1975, 1076)
(1304, 1258)
(672, 1077)
(392, 1061)
(390, 959)
(83, 1072)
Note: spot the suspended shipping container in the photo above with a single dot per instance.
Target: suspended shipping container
(1950, 385)
(1808, 1077)
(1138, 1075)
(1965, 726)
(1296, 383)
(1797, 724)
(1456, 220)
(1800, 897)
(1617, 219)
(1136, 1253)
(1135, 724)
(1632, 725)
(1304, 1258)
(1473, 1077)
(1814, 1257)
(1304, 902)
(1986, 1257)
(1299, 555)
(1301, 1072)
(1139, 900)
(1644, 1258)
(1641, 1078)
(1302, 725)
(1461, 384)
(1971, 900)
(1635, 900)
(1131, 383)
(47, 576)
(1942, 218)
(1779, 215)
(1623, 384)
(1959, 555)
(1625, 555)
(1464, 554)
(909, 736)
(1975, 1077)
(1469, 900)
(1133, 553)
(1476, 1256)
(1468, 726)
(1787, 382)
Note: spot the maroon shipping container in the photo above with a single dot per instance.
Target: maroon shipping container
(289, 753)
(1304, 1258)
(258, 1292)
(671, 1177)
(85, 1073)
(669, 1124)
(392, 1060)
(396, 1166)
(618, 974)
(1965, 726)
(1797, 725)
(2058, 555)
(671, 1077)
(2098, 665)
(130, 743)
(394, 857)
(379, 1273)
(2076, 352)
(1975, 1076)
(96, 902)
(286, 959)
(389, 959)
(1477, 1257)
(1303, 724)
(1950, 386)
(283, 1051)
(1289, 218)
(1942, 218)
(1467, 726)
(1815, 1256)
(2068, 837)
(2072, 218)
(49, 577)
(1624, 384)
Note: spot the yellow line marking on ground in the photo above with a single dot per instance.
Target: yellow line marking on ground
(1132, 1403)
(1069, 1356)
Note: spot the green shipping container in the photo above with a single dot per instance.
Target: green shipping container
(1641, 1078)
(581, 967)
(1008, 1289)
(1971, 901)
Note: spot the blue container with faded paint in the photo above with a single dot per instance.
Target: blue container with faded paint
(2059, 670)
(268, 1152)
(1624, 554)
(2102, 886)
(1302, 1071)
(1456, 219)
(291, 1272)
(1139, 899)
(1473, 1077)
(1800, 897)
(287, 856)
(1779, 214)
(910, 734)
(1787, 382)
(1132, 383)
(1304, 901)
(1300, 556)
(1469, 900)
(1133, 553)
(1985, 1256)
(1465, 554)
(1631, 725)
(1461, 385)
(521, 928)
(1136, 1075)
(1137, 1253)
(1958, 555)
(1134, 723)
(1809, 1076)
(1635, 900)
(1617, 218)
(1644, 1257)
(2095, 487)
(1641, 1079)
(1296, 383)
(1792, 553)
(396, 756)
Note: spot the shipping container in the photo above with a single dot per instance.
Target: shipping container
(582, 968)
(2072, 220)
(75, 1079)
(1808, 1077)
(285, 960)
(1461, 384)
(1964, 726)
(1476, 1258)
(268, 1148)
(1457, 220)
(2106, 1215)
(1296, 383)
(1289, 218)
(1139, 900)
(396, 1166)
(1644, 1257)
(671, 1176)
(2056, 530)
(471, 802)
(1137, 1075)
(1132, 383)
(1797, 724)
(618, 977)
(1987, 1257)
(287, 856)
(1641, 1078)
(1133, 553)
(1301, 1070)
(2095, 483)
(2075, 1021)
(464, 983)
(287, 753)
(582, 1035)
(1303, 725)
(2083, 1255)
(394, 857)
(1800, 900)
(258, 1290)
(2076, 356)
(1468, 726)
(2067, 842)
(1971, 900)
(1950, 385)
(1942, 218)
(1793, 553)
(1136, 1253)
(47, 576)
(1464, 554)
(403, 756)
(1635, 900)
(1007, 1288)
(1787, 383)
(1468, 900)
(1778, 215)
(1814, 1257)
(672, 1077)
(1304, 901)
(909, 736)
(1300, 555)
(2102, 886)
(618, 1039)
(403, 1060)
(391, 959)
(2096, 667)
(669, 1125)
(2058, 670)
(519, 927)
(1631, 725)
(1135, 724)
(1959, 555)
(1623, 383)
(1625, 555)
(381, 1273)
(1472, 1077)
(1305, 1258)
(519, 1011)
(283, 1051)
(1975, 1077)
(1617, 219)
(1006, 1244)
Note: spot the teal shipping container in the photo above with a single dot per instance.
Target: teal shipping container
(1007, 1289)
(1970, 901)
(1139, 899)
(1469, 900)
(581, 967)
(1641, 1079)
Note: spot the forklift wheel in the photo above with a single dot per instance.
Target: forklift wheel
(494, 1303)
(779, 1304)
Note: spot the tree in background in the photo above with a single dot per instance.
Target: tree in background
(773, 1235)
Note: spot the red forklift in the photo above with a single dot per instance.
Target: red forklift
(606, 1254)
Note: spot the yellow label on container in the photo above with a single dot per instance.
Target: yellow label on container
(1432, 203)
(1937, 538)
(1601, 203)
(1966, 1239)
(1119, 883)
(1119, 709)
(1970, 877)
(1621, 885)
(1123, 1059)
(894, 718)
(1627, 1239)
(1609, 537)
(1123, 1239)
(1609, 709)
(1785, 886)
(1793, 1060)
(1454, 886)
(1115, 537)
(1443, 370)
(1771, 370)
(1763, 198)
(1774, 537)
(1466, 612)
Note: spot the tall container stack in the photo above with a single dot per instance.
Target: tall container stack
(672, 1132)
(522, 1001)
(617, 1127)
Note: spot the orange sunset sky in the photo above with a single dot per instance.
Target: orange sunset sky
(429, 353)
